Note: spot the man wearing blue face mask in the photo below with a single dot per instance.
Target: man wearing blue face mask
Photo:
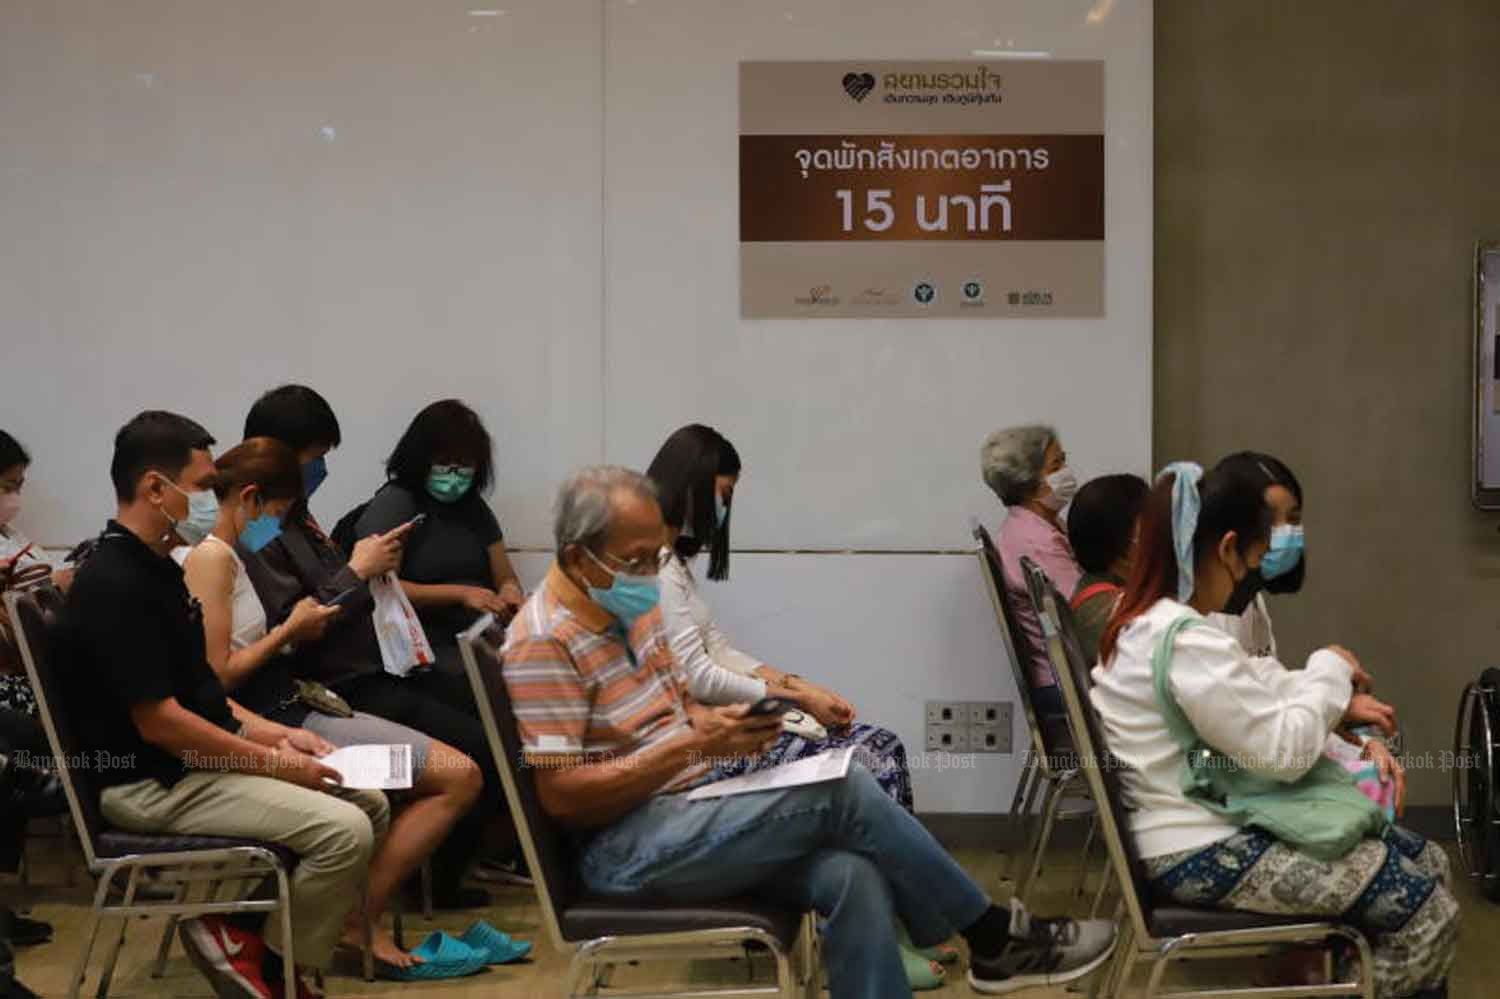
(613, 738)
(173, 754)
(303, 562)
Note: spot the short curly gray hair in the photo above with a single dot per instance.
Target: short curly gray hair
(1011, 461)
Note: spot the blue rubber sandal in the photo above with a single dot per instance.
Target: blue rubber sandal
(495, 946)
(442, 957)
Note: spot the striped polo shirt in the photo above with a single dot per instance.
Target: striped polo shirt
(583, 691)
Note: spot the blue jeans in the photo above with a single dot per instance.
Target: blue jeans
(842, 848)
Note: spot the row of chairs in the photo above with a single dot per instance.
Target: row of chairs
(1076, 756)
(1051, 763)
(600, 933)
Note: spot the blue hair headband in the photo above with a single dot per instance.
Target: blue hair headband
(1185, 507)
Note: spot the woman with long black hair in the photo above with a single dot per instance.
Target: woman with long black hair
(695, 473)
(1163, 668)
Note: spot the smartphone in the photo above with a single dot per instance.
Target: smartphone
(343, 598)
(771, 706)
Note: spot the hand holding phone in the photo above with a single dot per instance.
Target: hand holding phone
(770, 706)
(380, 553)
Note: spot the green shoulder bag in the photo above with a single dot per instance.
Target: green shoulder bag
(1323, 813)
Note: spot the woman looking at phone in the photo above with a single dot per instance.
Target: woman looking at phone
(258, 482)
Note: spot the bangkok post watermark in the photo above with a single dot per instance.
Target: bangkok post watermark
(97, 761)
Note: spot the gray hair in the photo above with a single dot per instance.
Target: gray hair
(1012, 460)
(585, 504)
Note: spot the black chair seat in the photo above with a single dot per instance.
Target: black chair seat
(605, 917)
(118, 843)
(1177, 920)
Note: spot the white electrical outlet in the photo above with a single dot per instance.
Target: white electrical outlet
(989, 726)
(947, 713)
(947, 739)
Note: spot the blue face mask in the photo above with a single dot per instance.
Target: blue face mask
(260, 532)
(628, 597)
(313, 474)
(202, 515)
(449, 484)
(1285, 551)
(721, 512)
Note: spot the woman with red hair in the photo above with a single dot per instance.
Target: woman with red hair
(1201, 544)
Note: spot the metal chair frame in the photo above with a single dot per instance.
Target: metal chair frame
(1046, 767)
(593, 960)
(1140, 943)
(182, 868)
(1474, 832)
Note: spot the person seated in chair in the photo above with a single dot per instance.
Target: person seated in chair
(303, 562)
(454, 567)
(1102, 523)
(256, 483)
(613, 740)
(23, 566)
(169, 752)
(1168, 678)
(1028, 469)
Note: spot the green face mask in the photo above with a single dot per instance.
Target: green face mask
(449, 483)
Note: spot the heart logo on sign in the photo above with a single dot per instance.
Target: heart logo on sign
(858, 85)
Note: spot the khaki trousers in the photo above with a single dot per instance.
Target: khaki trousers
(333, 835)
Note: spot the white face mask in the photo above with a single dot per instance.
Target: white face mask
(10, 505)
(1064, 486)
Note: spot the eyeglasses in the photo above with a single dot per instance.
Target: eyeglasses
(646, 565)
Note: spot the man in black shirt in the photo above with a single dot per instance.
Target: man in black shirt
(168, 751)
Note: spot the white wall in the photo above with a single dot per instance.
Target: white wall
(393, 202)
(856, 433)
(534, 210)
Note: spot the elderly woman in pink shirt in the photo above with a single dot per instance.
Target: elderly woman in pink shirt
(1028, 469)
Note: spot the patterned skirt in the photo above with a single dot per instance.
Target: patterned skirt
(1393, 889)
(878, 749)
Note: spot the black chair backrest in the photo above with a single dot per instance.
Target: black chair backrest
(547, 845)
(37, 634)
(1050, 734)
(343, 531)
(1074, 673)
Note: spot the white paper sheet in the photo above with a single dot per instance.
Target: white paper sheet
(374, 767)
(832, 765)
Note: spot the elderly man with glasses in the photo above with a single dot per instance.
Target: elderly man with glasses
(615, 740)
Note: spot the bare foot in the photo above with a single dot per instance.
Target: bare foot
(382, 945)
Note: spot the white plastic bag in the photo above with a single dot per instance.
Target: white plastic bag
(403, 643)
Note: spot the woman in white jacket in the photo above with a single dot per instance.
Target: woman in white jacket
(695, 474)
(1201, 546)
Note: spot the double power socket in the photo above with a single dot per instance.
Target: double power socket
(968, 726)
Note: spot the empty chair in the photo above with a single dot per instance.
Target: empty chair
(1050, 765)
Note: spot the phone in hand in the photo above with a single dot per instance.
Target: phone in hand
(770, 706)
(343, 598)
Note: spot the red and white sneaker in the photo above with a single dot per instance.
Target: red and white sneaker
(228, 956)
